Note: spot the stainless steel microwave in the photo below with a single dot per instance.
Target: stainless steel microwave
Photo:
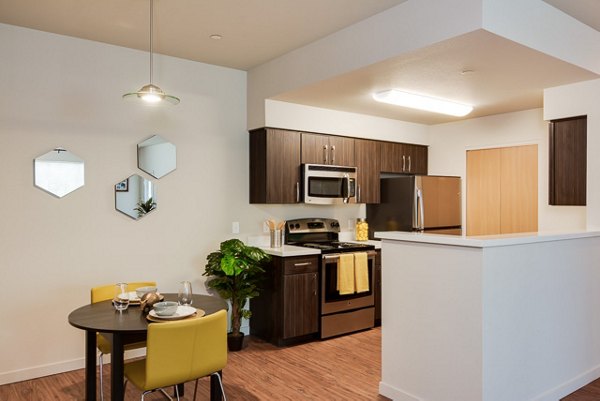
(328, 185)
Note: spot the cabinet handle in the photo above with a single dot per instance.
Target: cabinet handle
(314, 280)
(358, 197)
(302, 264)
(332, 154)
(403, 163)
(409, 169)
(297, 192)
(325, 155)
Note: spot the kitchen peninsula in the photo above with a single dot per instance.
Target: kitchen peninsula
(495, 318)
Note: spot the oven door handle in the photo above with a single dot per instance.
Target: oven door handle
(337, 255)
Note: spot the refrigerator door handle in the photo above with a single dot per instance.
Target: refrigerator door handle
(420, 211)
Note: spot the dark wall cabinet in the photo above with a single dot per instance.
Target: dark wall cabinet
(327, 149)
(403, 158)
(274, 166)
(276, 156)
(368, 161)
(287, 309)
(568, 161)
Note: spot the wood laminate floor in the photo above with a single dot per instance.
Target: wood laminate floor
(344, 368)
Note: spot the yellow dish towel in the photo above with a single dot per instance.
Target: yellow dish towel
(361, 272)
(345, 276)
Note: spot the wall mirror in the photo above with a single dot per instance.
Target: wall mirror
(135, 196)
(157, 156)
(58, 172)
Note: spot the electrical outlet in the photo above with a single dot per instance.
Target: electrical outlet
(265, 227)
(235, 227)
(350, 224)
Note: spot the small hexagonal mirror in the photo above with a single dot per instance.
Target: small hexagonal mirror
(157, 156)
(135, 196)
(58, 172)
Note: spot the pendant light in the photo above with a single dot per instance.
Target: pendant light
(151, 93)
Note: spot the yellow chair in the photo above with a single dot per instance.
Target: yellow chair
(181, 351)
(104, 293)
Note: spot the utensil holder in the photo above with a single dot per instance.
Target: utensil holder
(276, 238)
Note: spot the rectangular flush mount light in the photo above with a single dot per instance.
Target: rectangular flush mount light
(414, 101)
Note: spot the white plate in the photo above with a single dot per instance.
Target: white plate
(133, 297)
(182, 311)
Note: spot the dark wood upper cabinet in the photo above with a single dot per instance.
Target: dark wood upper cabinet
(568, 161)
(327, 149)
(403, 158)
(368, 163)
(274, 166)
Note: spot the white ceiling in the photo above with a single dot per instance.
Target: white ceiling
(506, 76)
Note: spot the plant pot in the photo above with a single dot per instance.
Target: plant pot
(235, 342)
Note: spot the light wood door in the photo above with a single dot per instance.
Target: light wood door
(483, 191)
(519, 189)
(502, 190)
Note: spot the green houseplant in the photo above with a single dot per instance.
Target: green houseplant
(235, 271)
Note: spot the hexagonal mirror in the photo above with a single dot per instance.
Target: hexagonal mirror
(157, 156)
(135, 196)
(58, 172)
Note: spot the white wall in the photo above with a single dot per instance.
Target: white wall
(582, 98)
(60, 91)
(449, 143)
(315, 119)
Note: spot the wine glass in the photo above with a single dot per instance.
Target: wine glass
(185, 293)
(121, 298)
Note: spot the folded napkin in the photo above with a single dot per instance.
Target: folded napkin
(361, 272)
(345, 276)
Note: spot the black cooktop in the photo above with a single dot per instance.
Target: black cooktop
(336, 246)
(320, 233)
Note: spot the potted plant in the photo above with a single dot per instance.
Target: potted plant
(235, 271)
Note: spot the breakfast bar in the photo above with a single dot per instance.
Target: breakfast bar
(489, 318)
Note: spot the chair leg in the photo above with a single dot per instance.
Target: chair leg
(220, 384)
(101, 362)
(195, 390)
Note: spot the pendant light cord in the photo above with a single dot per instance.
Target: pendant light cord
(151, 29)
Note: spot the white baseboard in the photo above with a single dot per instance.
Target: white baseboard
(554, 394)
(569, 386)
(395, 393)
(35, 372)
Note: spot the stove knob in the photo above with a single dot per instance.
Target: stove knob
(297, 226)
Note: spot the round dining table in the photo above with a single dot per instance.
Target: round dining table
(123, 328)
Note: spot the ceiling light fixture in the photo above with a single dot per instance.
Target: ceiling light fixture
(151, 93)
(421, 102)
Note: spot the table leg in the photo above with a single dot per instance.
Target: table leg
(215, 388)
(116, 369)
(90, 365)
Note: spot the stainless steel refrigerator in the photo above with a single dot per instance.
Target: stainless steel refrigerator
(417, 203)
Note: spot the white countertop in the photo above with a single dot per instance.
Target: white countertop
(290, 250)
(483, 241)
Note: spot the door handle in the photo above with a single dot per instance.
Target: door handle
(409, 169)
(332, 154)
(403, 163)
(325, 155)
(297, 192)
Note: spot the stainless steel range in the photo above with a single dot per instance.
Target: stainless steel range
(340, 313)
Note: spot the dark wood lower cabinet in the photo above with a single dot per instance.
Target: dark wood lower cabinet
(377, 288)
(287, 309)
